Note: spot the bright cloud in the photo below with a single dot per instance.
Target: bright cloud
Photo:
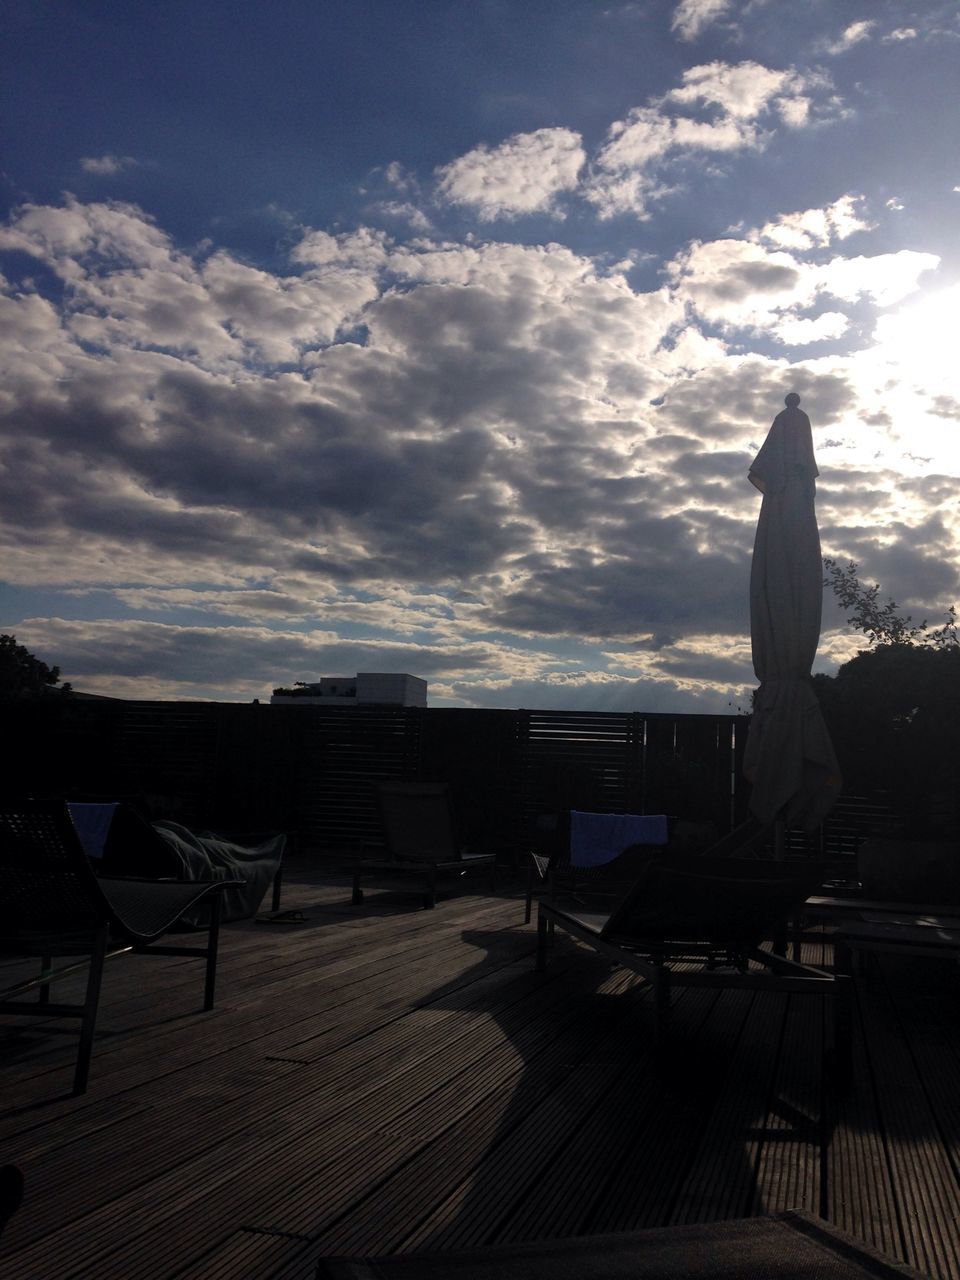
(885, 279)
(523, 175)
(801, 331)
(733, 101)
(851, 35)
(740, 283)
(691, 16)
(742, 92)
(814, 228)
(312, 408)
(506, 391)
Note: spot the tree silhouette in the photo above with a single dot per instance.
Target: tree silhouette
(22, 676)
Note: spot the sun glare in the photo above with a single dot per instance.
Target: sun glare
(910, 380)
(920, 336)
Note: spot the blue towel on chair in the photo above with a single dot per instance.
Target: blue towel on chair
(92, 824)
(597, 838)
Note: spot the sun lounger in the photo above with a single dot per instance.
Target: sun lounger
(588, 854)
(700, 922)
(53, 904)
(121, 841)
(421, 840)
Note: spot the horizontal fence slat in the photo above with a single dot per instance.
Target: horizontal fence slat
(311, 770)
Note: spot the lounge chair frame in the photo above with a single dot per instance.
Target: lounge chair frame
(553, 874)
(421, 840)
(54, 905)
(704, 958)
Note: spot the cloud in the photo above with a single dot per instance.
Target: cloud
(852, 35)
(107, 166)
(691, 16)
(185, 657)
(742, 284)
(719, 108)
(734, 282)
(599, 691)
(129, 287)
(498, 465)
(404, 211)
(800, 331)
(885, 278)
(815, 228)
(73, 236)
(742, 91)
(523, 175)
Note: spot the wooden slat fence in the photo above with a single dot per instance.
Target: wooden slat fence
(631, 763)
(311, 769)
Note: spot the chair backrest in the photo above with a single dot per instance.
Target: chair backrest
(131, 846)
(46, 883)
(418, 821)
(725, 901)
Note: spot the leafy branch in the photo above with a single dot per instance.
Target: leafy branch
(882, 622)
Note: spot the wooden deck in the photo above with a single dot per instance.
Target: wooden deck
(382, 1078)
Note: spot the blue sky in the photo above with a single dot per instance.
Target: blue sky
(439, 337)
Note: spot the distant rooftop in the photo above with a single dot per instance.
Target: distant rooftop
(366, 688)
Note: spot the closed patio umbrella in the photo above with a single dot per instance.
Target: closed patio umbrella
(789, 757)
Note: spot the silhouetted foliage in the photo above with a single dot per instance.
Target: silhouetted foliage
(893, 712)
(22, 676)
(883, 624)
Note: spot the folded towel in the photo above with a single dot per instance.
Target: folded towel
(92, 824)
(206, 855)
(597, 838)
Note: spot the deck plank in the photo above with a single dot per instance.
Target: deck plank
(789, 1142)
(383, 1078)
(721, 1181)
(926, 1191)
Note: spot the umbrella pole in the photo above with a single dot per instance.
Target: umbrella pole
(779, 853)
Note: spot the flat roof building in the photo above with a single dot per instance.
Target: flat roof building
(366, 688)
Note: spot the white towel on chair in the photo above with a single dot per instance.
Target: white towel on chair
(596, 838)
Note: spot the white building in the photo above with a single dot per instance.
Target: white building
(366, 688)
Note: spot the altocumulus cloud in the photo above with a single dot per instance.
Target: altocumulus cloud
(504, 466)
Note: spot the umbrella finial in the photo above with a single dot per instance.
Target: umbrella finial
(792, 400)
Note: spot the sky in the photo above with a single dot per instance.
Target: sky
(438, 337)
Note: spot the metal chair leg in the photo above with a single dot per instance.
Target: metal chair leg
(46, 965)
(213, 942)
(430, 897)
(541, 942)
(843, 1028)
(661, 1001)
(91, 1004)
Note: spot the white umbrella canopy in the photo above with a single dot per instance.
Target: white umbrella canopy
(789, 757)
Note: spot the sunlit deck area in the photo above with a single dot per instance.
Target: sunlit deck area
(382, 1078)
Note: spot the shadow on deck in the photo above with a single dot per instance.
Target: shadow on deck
(385, 1079)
